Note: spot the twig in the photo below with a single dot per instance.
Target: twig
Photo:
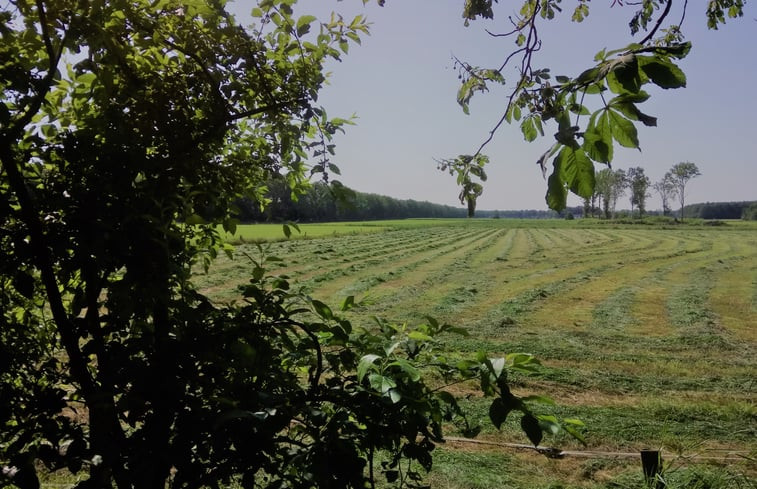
(659, 22)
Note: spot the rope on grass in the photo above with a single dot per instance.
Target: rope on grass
(552, 452)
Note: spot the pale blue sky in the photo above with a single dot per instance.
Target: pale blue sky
(402, 86)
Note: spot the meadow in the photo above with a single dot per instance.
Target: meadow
(646, 333)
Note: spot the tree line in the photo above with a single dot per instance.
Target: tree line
(722, 210)
(612, 184)
(322, 202)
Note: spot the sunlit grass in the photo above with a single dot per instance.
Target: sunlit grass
(647, 334)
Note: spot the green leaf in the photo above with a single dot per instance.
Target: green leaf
(395, 396)
(662, 73)
(381, 383)
(623, 130)
(549, 423)
(497, 365)
(516, 112)
(258, 273)
(632, 112)
(348, 303)
(322, 309)
(418, 336)
(528, 129)
(573, 421)
(557, 194)
(539, 399)
(413, 373)
(624, 75)
(594, 88)
(577, 171)
(194, 219)
(680, 50)
(574, 433)
(598, 138)
(530, 425)
(230, 225)
(366, 363)
(303, 24)
(498, 411)
(447, 398)
(589, 76)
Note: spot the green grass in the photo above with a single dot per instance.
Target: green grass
(646, 331)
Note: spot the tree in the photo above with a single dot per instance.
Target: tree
(128, 132)
(749, 212)
(466, 167)
(638, 183)
(610, 187)
(682, 173)
(614, 84)
(666, 188)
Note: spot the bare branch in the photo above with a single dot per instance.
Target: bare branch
(664, 14)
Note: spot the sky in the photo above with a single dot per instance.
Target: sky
(401, 85)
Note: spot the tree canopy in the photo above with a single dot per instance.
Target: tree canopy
(128, 132)
(681, 173)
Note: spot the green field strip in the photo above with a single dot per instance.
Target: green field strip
(522, 248)
(506, 284)
(428, 281)
(477, 286)
(690, 312)
(368, 247)
(300, 255)
(574, 309)
(501, 242)
(390, 279)
(641, 421)
(314, 256)
(732, 297)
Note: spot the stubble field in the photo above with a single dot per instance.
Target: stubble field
(647, 334)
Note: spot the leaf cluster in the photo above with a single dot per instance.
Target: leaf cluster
(616, 83)
(470, 174)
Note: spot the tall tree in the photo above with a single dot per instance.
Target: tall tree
(666, 188)
(639, 184)
(466, 167)
(610, 187)
(682, 173)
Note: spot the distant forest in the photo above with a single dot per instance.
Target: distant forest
(722, 210)
(322, 203)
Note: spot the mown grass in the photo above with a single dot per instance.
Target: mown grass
(646, 332)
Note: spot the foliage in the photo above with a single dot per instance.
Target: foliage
(615, 83)
(750, 212)
(638, 183)
(610, 185)
(681, 174)
(666, 188)
(319, 203)
(128, 130)
(466, 167)
(719, 210)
